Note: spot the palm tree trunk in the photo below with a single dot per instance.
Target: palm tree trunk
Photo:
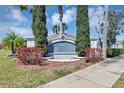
(60, 18)
(12, 48)
(60, 12)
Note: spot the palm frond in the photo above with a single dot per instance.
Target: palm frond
(23, 7)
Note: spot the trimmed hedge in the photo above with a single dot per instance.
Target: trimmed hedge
(112, 52)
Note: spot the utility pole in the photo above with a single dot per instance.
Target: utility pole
(105, 31)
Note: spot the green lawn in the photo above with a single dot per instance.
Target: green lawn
(120, 82)
(10, 76)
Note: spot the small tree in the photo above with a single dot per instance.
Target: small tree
(65, 26)
(56, 28)
(13, 41)
(114, 27)
(83, 32)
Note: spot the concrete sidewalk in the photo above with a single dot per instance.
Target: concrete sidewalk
(101, 75)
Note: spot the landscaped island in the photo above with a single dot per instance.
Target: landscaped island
(30, 55)
(16, 75)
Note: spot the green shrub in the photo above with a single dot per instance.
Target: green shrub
(112, 52)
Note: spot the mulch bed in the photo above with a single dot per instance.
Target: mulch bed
(51, 65)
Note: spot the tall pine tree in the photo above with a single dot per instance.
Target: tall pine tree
(83, 32)
(39, 27)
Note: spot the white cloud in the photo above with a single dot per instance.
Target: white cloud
(96, 15)
(23, 31)
(68, 16)
(55, 18)
(48, 20)
(16, 15)
(18, 24)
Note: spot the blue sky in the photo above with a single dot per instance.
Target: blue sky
(12, 19)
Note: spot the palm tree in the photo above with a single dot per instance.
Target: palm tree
(13, 41)
(65, 26)
(23, 7)
(56, 28)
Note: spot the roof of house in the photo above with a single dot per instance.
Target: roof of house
(119, 42)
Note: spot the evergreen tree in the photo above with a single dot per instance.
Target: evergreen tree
(39, 27)
(82, 34)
